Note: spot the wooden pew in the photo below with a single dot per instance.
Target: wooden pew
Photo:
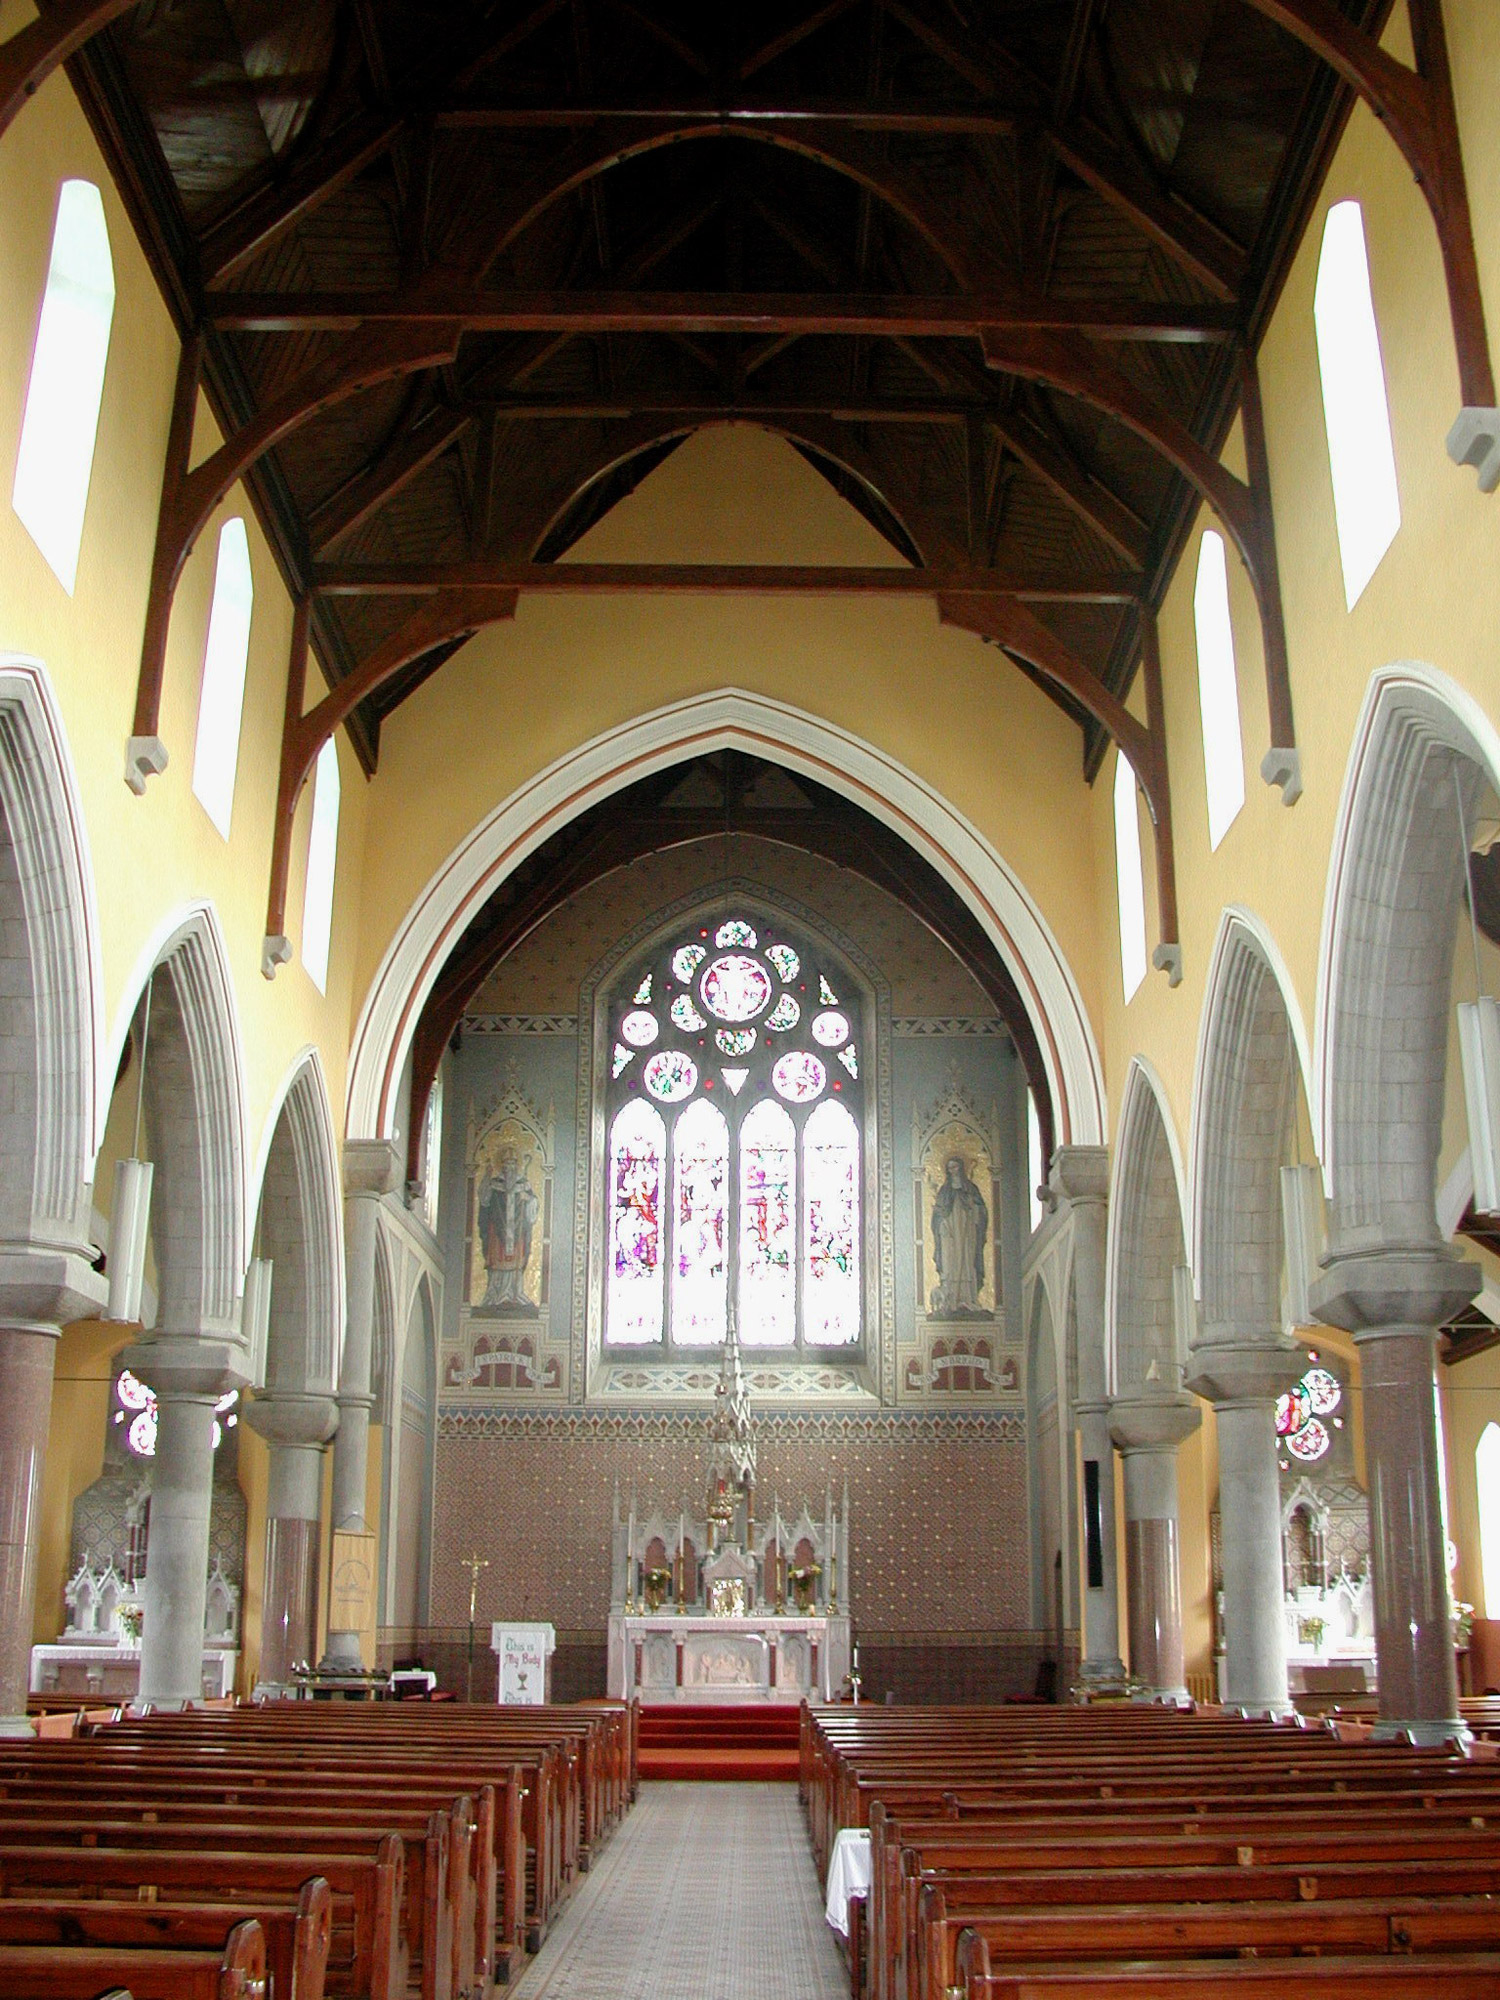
(79, 1972)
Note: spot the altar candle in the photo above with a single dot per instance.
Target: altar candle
(630, 1550)
(681, 1553)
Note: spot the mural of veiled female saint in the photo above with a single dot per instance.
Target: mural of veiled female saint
(960, 1229)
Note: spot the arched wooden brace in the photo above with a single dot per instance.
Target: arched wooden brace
(445, 615)
(28, 58)
(188, 498)
(1012, 625)
(610, 143)
(1076, 366)
(1416, 107)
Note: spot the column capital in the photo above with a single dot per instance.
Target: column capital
(48, 1286)
(1226, 1372)
(178, 1365)
(1152, 1423)
(292, 1418)
(371, 1167)
(1412, 1286)
(1080, 1174)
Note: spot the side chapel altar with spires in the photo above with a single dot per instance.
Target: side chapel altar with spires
(718, 1606)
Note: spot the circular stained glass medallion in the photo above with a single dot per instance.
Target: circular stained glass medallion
(133, 1393)
(735, 1041)
(1292, 1411)
(735, 932)
(1325, 1391)
(830, 1030)
(736, 988)
(142, 1433)
(686, 960)
(785, 960)
(785, 1014)
(1310, 1442)
(686, 1016)
(671, 1076)
(640, 1029)
(798, 1077)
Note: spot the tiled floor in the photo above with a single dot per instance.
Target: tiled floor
(707, 1892)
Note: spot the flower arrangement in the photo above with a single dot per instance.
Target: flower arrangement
(658, 1582)
(804, 1581)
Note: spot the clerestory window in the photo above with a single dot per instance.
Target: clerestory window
(734, 1144)
(1130, 883)
(1356, 409)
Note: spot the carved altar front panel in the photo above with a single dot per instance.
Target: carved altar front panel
(665, 1658)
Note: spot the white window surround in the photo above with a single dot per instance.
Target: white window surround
(221, 700)
(1356, 408)
(1218, 689)
(60, 426)
(1129, 880)
(1487, 1477)
(322, 859)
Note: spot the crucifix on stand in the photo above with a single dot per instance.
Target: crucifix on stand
(473, 1564)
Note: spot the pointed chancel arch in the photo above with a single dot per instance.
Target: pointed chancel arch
(732, 719)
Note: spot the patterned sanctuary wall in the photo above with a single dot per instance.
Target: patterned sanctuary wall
(937, 1509)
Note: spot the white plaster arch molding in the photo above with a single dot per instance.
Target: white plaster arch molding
(205, 1212)
(728, 719)
(54, 1119)
(302, 1100)
(1245, 972)
(1396, 813)
(1146, 1128)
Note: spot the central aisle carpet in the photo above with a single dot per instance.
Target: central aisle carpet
(707, 1892)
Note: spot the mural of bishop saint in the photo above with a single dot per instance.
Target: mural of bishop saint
(507, 1217)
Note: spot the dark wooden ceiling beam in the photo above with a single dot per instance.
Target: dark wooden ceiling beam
(1417, 109)
(877, 314)
(757, 579)
(29, 57)
(188, 498)
(923, 118)
(407, 456)
(1203, 251)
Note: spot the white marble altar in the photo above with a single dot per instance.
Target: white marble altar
(106, 1671)
(666, 1657)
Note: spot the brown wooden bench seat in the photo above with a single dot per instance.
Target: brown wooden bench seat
(79, 1972)
(1461, 1976)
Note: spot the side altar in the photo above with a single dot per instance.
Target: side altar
(720, 1607)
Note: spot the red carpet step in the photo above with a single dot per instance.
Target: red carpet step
(725, 1744)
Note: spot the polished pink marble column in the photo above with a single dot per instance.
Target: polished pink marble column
(26, 1358)
(296, 1427)
(1155, 1595)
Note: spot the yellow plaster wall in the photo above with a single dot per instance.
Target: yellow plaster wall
(83, 1368)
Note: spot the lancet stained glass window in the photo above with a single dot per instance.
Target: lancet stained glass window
(734, 1147)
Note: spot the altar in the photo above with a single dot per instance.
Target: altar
(711, 1660)
(720, 1607)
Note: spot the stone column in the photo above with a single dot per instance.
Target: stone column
(1243, 1379)
(1148, 1430)
(40, 1293)
(188, 1375)
(1080, 1176)
(1393, 1302)
(296, 1428)
(372, 1170)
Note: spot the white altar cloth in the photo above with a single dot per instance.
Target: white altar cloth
(848, 1874)
(662, 1657)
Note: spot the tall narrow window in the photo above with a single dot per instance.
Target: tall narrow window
(700, 1226)
(1218, 689)
(768, 1227)
(830, 1229)
(221, 702)
(1130, 886)
(1487, 1469)
(1356, 411)
(61, 422)
(322, 857)
(1036, 1168)
(637, 1164)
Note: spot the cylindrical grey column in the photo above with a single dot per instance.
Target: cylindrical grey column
(188, 1376)
(1242, 1374)
(1080, 1176)
(176, 1585)
(372, 1170)
(1392, 1303)
(1148, 1431)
